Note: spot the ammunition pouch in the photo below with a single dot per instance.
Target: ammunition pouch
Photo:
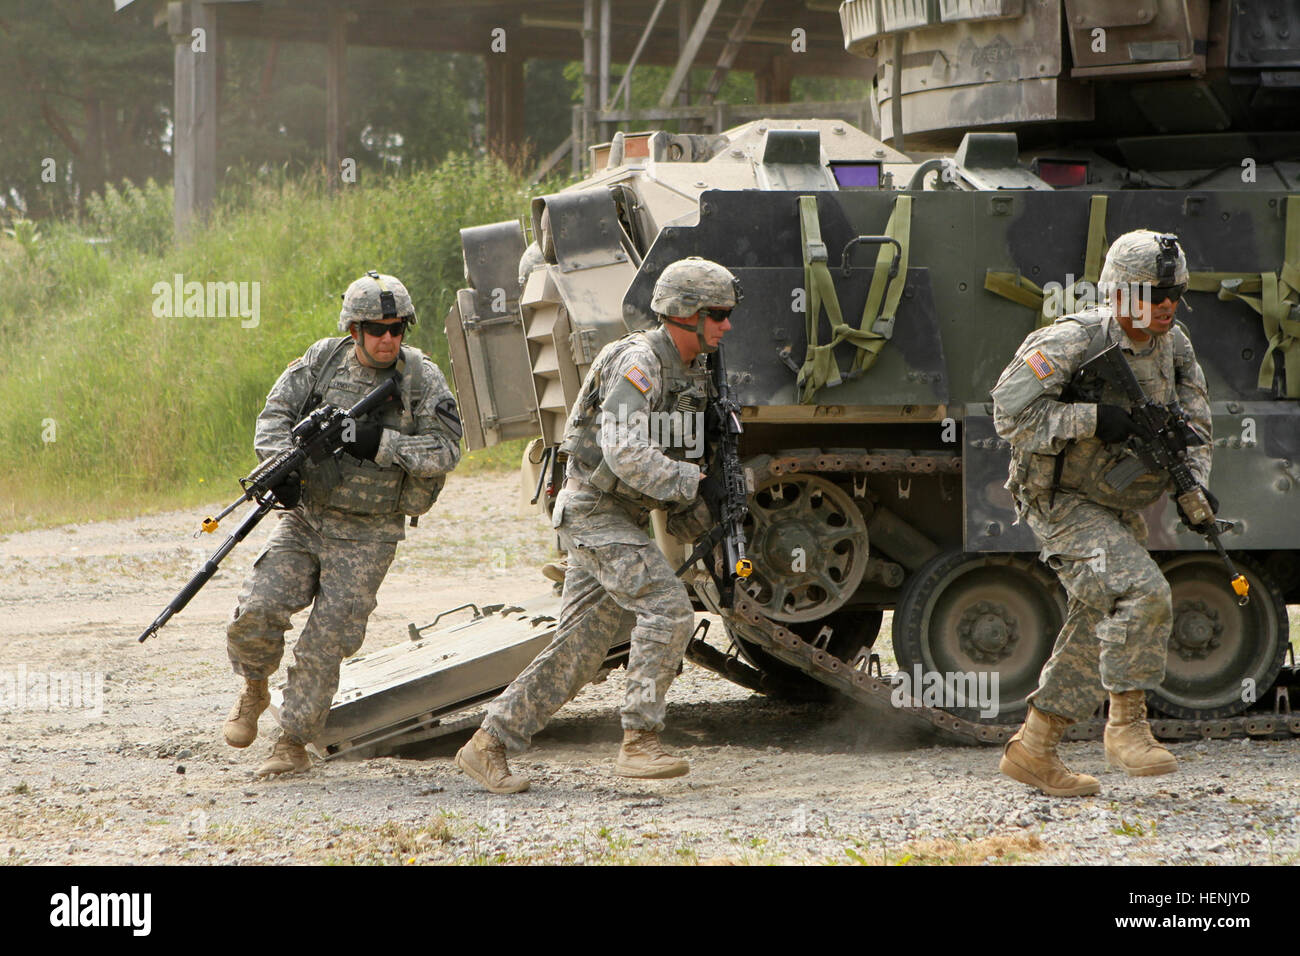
(419, 494)
(1093, 470)
(603, 478)
(358, 487)
(362, 487)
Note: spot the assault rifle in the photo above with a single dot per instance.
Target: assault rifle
(728, 528)
(316, 437)
(1167, 436)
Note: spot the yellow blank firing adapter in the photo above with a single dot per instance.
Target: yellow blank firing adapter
(210, 525)
(744, 567)
(1242, 588)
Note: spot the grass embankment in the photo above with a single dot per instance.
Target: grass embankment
(108, 409)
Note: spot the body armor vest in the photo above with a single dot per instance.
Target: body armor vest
(684, 392)
(1094, 469)
(355, 485)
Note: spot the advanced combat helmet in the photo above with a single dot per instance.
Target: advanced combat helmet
(530, 260)
(688, 285)
(374, 297)
(1144, 258)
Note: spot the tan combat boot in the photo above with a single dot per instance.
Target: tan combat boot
(241, 726)
(1129, 742)
(1030, 757)
(287, 756)
(556, 570)
(642, 755)
(484, 759)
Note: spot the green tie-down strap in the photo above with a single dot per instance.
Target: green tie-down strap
(1095, 251)
(1014, 286)
(1279, 308)
(1276, 303)
(877, 327)
(878, 318)
(1026, 292)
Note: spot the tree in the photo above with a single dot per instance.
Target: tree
(84, 100)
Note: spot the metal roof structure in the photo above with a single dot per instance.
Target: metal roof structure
(777, 40)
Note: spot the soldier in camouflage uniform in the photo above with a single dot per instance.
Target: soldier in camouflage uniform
(1081, 491)
(619, 583)
(333, 546)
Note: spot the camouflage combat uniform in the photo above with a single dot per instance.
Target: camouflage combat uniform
(336, 545)
(619, 582)
(1092, 533)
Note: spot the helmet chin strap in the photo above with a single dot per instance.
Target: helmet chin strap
(697, 328)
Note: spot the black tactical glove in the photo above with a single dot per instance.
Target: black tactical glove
(289, 492)
(1114, 424)
(365, 441)
(1209, 498)
(714, 493)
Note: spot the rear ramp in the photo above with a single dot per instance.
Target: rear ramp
(427, 686)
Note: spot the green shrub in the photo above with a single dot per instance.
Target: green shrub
(26, 234)
(136, 218)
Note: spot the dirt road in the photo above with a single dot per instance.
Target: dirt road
(146, 777)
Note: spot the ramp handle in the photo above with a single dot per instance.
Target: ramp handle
(414, 632)
(846, 262)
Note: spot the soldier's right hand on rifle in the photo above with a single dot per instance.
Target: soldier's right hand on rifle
(289, 492)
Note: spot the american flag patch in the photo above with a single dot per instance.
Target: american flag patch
(1037, 361)
(637, 378)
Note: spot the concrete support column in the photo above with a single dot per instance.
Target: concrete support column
(590, 87)
(335, 95)
(193, 29)
(602, 96)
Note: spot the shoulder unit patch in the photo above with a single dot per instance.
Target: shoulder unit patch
(1038, 363)
(449, 416)
(638, 378)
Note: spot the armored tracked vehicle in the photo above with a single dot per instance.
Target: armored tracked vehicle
(884, 292)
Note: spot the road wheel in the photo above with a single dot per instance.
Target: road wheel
(982, 614)
(1222, 656)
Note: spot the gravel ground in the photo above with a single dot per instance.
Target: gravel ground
(149, 780)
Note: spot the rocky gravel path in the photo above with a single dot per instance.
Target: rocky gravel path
(147, 779)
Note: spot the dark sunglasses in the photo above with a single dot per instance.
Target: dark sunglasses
(717, 315)
(1157, 294)
(380, 329)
